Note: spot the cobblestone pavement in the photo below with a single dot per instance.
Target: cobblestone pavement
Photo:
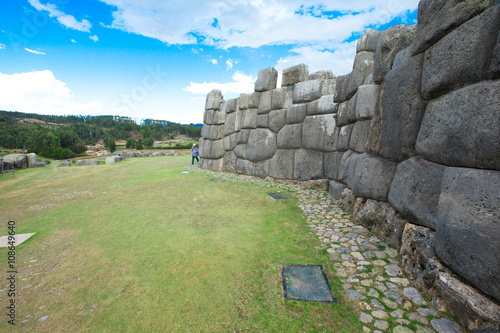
(370, 270)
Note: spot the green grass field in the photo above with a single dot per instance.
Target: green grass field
(139, 247)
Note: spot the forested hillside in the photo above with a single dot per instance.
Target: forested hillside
(66, 136)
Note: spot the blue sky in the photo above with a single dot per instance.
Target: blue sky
(158, 59)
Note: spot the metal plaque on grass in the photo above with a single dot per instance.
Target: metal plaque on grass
(307, 283)
(278, 196)
(215, 180)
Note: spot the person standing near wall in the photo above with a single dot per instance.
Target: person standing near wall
(194, 153)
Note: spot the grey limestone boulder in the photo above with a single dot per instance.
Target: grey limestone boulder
(495, 62)
(324, 74)
(265, 104)
(241, 151)
(336, 188)
(290, 137)
(215, 165)
(19, 161)
(332, 165)
(393, 40)
(373, 177)
(229, 162)
(461, 128)
(347, 168)
(221, 119)
(367, 101)
(86, 162)
(363, 67)
(307, 91)
(244, 167)
(113, 159)
(263, 121)
(32, 159)
(277, 119)
(249, 118)
(308, 165)
(436, 18)
(403, 54)
(320, 133)
(324, 105)
(214, 99)
(249, 101)
(205, 131)
(449, 65)
(281, 165)
(65, 164)
(278, 98)
(132, 155)
(217, 150)
(208, 117)
(215, 132)
(238, 120)
(229, 125)
(415, 191)
(329, 86)
(229, 142)
(231, 105)
(261, 145)
(344, 137)
(267, 80)
(158, 153)
(467, 230)
(359, 136)
(39, 165)
(172, 153)
(369, 40)
(260, 169)
(341, 88)
(347, 112)
(292, 75)
(242, 136)
(296, 114)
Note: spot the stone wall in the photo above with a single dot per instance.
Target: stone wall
(409, 141)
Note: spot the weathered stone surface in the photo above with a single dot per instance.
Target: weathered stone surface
(347, 200)
(321, 75)
(324, 105)
(1, 165)
(243, 136)
(241, 151)
(19, 161)
(373, 177)
(363, 66)
(367, 101)
(296, 114)
(471, 308)
(328, 87)
(231, 105)
(249, 118)
(113, 159)
(341, 89)
(320, 133)
(307, 91)
(359, 135)
(249, 101)
(217, 150)
(308, 165)
(213, 98)
(238, 121)
(267, 79)
(336, 188)
(468, 230)
(461, 128)
(261, 169)
(393, 40)
(332, 165)
(347, 112)
(205, 131)
(278, 98)
(495, 62)
(39, 165)
(402, 109)
(295, 74)
(261, 145)
(215, 132)
(32, 159)
(436, 18)
(229, 125)
(263, 121)
(344, 137)
(229, 142)
(158, 153)
(281, 165)
(63, 164)
(381, 219)
(448, 64)
(221, 119)
(229, 162)
(86, 162)
(244, 167)
(347, 167)
(265, 104)
(403, 54)
(415, 190)
(277, 119)
(290, 137)
(369, 40)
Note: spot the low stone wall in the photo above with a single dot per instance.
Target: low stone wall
(86, 162)
(410, 138)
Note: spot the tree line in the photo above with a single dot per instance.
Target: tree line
(62, 137)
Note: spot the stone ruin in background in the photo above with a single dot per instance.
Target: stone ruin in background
(409, 141)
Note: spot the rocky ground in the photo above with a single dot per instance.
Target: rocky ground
(370, 270)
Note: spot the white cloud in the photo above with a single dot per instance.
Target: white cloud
(66, 20)
(2, 46)
(214, 61)
(241, 84)
(73, 41)
(34, 51)
(229, 65)
(94, 38)
(40, 92)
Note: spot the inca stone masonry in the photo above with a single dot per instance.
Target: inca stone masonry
(409, 141)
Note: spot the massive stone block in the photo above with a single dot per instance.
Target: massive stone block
(341, 89)
(290, 137)
(367, 101)
(229, 142)
(336, 188)
(359, 135)
(369, 40)
(461, 128)
(265, 104)
(214, 99)
(260, 169)
(32, 159)
(332, 165)
(229, 125)
(205, 131)
(344, 137)
(415, 191)
(242, 136)
(263, 121)
(229, 162)
(281, 165)
(86, 162)
(449, 65)
(347, 112)
(363, 67)
(307, 91)
(113, 159)
(277, 119)
(347, 168)
(436, 18)
(249, 101)
(215, 132)
(320, 133)
(238, 121)
(241, 151)
(324, 105)
(308, 165)
(249, 118)
(244, 167)
(393, 40)
(267, 79)
(373, 177)
(294, 74)
(217, 150)
(329, 86)
(231, 105)
(468, 230)
(19, 161)
(325, 74)
(261, 145)
(495, 62)
(221, 118)
(402, 109)
(208, 117)
(296, 114)
(278, 98)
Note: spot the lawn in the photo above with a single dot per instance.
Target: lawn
(139, 247)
